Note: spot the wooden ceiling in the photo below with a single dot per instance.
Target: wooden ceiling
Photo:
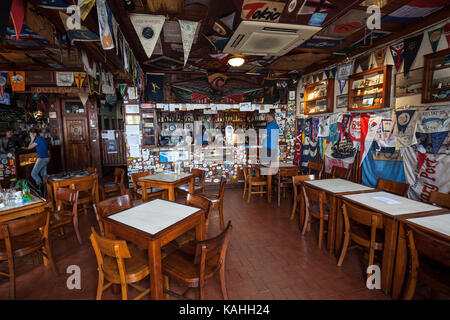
(203, 56)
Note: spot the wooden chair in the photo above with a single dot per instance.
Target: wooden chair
(429, 261)
(24, 236)
(114, 187)
(151, 192)
(317, 167)
(195, 266)
(255, 180)
(440, 199)
(398, 188)
(245, 171)
(86, 195)
(217, 200)
(312, 211)
(66, 198)
(296, 182)
(110, 206)
(284, 180)
(340, 172)
(362, 227)
(119, 264)
(197, 201)
(91, 170)
(199, 184)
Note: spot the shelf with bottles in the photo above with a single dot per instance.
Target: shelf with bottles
(319, 97)
(436, 79)
(370, 89)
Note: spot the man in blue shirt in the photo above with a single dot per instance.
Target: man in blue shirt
(40, 167)
(270, 139)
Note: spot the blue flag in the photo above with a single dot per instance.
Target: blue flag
(53, 4)
(155, 87)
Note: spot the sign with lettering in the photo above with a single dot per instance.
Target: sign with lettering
(268, 11)
(58, 90)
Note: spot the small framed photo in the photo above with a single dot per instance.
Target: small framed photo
(292, 95)
(342, 101)
(410, 85)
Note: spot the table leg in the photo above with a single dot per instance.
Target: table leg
(171, 191)
(156, 278)
(389, 246)
(144, 191)
(97, 196)
(401, 259)
(339, 228)
(269, 188)
(331, 224)
(191, 185)
(50, 196)
(302, 212)
(200, 229)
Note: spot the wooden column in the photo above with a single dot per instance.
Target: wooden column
(94, 134)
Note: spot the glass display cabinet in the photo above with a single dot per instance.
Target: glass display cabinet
(319, 97)
(436, 79)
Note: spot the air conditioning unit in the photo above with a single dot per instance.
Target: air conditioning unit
(265, 38)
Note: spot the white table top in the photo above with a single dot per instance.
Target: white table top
(166, 177)
(34, 200)
(439, 223)
(390, 203)
(154, 216)
(338, 185)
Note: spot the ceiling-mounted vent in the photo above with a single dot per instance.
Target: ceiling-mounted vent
(263, 38)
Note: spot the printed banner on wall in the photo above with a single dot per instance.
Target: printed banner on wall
(406, 127)
(17, 79)
(430, 121)
(148, 28)
(155, 86)
(188, 29)
(64, 79)
(3, 79)
(89, 65)
(104, 13)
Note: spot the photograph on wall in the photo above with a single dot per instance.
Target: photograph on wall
(409, 85)
(342, 101)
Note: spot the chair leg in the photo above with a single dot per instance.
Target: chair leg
(12, 279)
(279, 194)
(101, 279)
(294, 208)
(320, 233)
(166, 287)
(49, 254)
(77, 231)
(344, 248)
(124, 288)
(245, 188)
(249, 193)
(223, 283)
(35, 258)
(222, 222)
(306, 222)
(202, 292)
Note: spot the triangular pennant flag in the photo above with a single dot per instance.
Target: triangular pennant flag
(107, 83)
(53, 4)
(148, 28)
(89, 65)
(380, 55)
(188, 29)
(3, 78)
(397, 51)
(434, 37)
(79, 78)
(104, 13)
(228, 20)
(17, 15)
(84, 97)
(331, 73)
(85, 7)
(77, 34)
(39, 23)
(17, 79)
(115, 27)
(342, 84)
(64, 79)
(363, 62)
(437, 140)
(412, 46)
(123, 89)
(95, 84)
(447, 33)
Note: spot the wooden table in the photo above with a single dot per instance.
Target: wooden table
(36, 205)
(53, 184)
(167, 181)
(393, 208)
(270, 171)
(152, 225)
(437, 224)
(332, 189)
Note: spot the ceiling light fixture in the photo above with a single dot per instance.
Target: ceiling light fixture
(236, 61)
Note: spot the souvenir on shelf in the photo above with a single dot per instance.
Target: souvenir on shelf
(149, 136)
(319, 97)
(370, 89)
(436, 80)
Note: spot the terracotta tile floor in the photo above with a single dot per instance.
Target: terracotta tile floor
(267, 258)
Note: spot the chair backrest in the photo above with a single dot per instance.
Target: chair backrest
(136, 176)
(362, 216)
(119, 175)
(18, 227)
(222, 184)
(211, 247)
(315, 195)
(440, 199)
(117, 249)
(110, 206)
(200, 175)
(288, 172)
(297, 180)
(198, 201)
(88, 185)
(398, 188)
(66, 196)
(315, 166)
(340, 172)
(252, 172)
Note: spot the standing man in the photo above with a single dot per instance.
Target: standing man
(40, 167)
(270, 140)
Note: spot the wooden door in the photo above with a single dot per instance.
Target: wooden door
(76, 140)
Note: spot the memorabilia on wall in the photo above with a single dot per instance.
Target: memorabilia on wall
(408, 85)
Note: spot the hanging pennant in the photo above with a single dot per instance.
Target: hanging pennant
(107, 83)
(64, 79)
(344, 125)
(331, 73)
(123, 89)
(126, 61)
(115, 28)
(447, 33)
(363, 62)
(79, 78)
(355, 128)
(103, 25)
(89, 65)
(148, 28)
(53, 4)
(83, 97)
(38, 23)
(397, 51)
(380, 55)
(342, 84)
(434, 37)
(79, 34)
(412, 46)
(85, 7)
(406, 127)
(188, 29)
(3, 78)
(437, 140)
(95, 84)
(17, 15)
(17, 79)
(155, 86)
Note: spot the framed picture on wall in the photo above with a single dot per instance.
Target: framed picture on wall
(409, 85)
(291, 95)
(342, 101)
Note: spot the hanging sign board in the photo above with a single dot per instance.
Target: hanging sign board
(268, 11)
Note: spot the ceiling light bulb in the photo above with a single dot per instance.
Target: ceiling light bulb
(236, 61)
